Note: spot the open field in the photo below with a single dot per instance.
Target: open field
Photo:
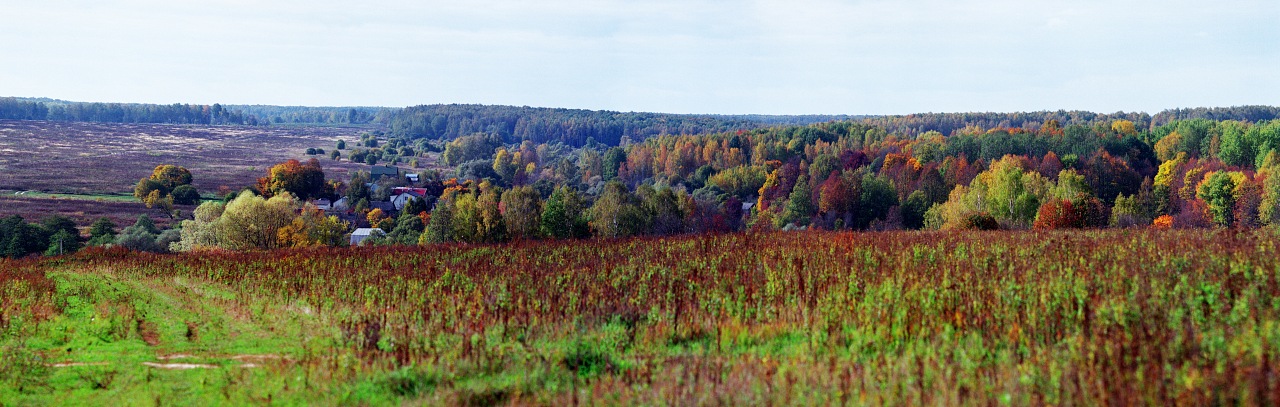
(1186, 317)
(88, 158)
(83, 211)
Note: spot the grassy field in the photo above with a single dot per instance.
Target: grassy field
(1188, 317)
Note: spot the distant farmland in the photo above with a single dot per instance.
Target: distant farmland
(85, 158)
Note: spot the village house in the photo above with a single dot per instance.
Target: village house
(379, 171)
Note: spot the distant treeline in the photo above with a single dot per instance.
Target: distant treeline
(572, 126)
(576, 127)
(178, 113)
(317, 115)
(949, 123)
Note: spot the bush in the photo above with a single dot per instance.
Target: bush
(981, 221)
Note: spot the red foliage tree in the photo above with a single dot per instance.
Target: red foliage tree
(1081, 212)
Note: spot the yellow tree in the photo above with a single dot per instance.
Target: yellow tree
(1123, 127)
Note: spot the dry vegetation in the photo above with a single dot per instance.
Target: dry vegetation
(83, 212)
(1119, 317)
(83, 158)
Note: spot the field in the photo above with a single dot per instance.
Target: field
(91, 158)
(1187, 317)
(84, 210)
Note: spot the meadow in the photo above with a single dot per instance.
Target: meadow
(1186, 317)
(83, 209)
(97, 158)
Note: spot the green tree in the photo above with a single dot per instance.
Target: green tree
(56, 223)
(185, 195)
(799, 206)
(467, 148)
(505, 165)
(19, 238)
(522, 212)
(466, 218)
(408, 229)
(252, 222)
(440, 225)
(616, 213)
(1218, 191)
(358, 188)
(613, 158)
(1269, 209)
(742, 181)
(875, 200)
(198, 232)
(914, 208)
(561, 215)
(415, 206)
(1234, 148)
(102, 232)
(141, 236)
(663, 212)
(146, 186)
(61, 243)
(492, 228)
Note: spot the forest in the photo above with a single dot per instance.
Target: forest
(574, 127)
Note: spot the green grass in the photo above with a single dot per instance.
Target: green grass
(81, 197)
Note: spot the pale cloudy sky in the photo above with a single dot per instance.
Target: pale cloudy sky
(684, 56)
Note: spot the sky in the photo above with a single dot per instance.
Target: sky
(682, 56)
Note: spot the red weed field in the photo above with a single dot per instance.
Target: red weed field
(1095, 317)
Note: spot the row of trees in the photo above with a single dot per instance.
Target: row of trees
(317, 115)
(569, 126)
(179, 113)
(250, 221)
(57, 235)
(575, 127)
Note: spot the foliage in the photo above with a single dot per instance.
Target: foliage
(469, 148)
(313, 228)
(1218, 190)
(616, 213)
(157, 190)
(304, 181)
(185, 195)
(102, 232)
